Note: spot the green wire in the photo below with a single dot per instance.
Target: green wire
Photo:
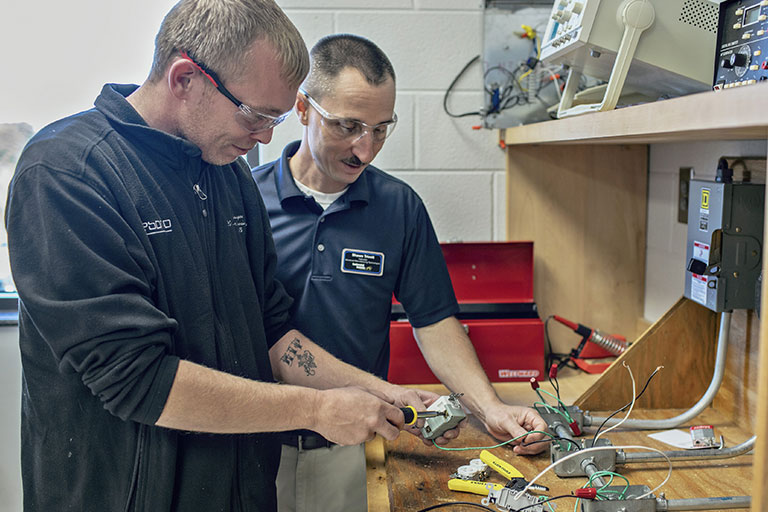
(602, 491)
(495, 446)
(551, 409)
(565, 409)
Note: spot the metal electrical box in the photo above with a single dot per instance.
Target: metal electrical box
(724, 248)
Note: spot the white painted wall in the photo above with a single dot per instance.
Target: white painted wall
(10, 419)
(459, 172)
(666, 238)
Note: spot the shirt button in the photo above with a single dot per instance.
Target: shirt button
(320, 247)
(322, 219)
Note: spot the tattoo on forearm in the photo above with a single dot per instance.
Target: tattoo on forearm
(305, 358)
(307, 361)
(291, 351)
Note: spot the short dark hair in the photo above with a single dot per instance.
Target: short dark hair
(336, 52)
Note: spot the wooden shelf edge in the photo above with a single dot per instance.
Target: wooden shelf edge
(714, 115)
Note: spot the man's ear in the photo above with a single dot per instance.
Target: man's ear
(301, 108)
(180, 74)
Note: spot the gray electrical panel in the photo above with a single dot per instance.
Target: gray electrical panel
(724, 248)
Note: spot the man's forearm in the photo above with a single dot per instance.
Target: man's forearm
(206, 400)
(298, 360)
(452, 358)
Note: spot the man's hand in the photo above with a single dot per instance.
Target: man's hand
(505, 422)
(349, 416)
(420, 400)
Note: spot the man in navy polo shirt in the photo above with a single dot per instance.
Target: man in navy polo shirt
(348, 236)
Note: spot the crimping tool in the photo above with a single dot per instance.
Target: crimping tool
(516, 481)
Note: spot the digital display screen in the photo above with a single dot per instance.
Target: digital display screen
(751, 14)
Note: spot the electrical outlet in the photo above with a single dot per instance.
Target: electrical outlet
(683, 182)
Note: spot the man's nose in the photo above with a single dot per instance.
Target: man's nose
(363, 147)
(263, 137)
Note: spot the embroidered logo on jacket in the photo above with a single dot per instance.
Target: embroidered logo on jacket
(155, 227)
(238, 221)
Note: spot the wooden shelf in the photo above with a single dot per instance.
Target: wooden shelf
(733, 114)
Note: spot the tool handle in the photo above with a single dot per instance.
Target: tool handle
(473, 486)
(409, 412)
(506, 469)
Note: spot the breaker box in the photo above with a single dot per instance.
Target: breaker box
(725, 237)
(493, 283)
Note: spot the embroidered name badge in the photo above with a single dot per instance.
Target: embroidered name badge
(368, 263)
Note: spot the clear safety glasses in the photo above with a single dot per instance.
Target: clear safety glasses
(248, 117)
(344, 128)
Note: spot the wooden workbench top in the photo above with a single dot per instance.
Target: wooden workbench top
(406, 475)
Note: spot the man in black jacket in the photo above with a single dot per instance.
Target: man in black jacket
(151, 323)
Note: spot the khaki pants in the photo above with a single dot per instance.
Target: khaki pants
(322, 480)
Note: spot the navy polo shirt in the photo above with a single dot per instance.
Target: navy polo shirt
(342, 265)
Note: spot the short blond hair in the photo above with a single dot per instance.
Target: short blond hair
(220, 32)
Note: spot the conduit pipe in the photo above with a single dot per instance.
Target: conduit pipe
(709, 454)
(714, 386)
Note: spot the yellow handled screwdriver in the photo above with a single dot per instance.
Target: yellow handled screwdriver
(411, 414)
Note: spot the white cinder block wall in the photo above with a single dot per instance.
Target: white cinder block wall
(458, 171)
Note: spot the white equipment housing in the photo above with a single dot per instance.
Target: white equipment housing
(648, 47)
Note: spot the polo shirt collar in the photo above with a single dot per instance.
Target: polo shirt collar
(358, 192)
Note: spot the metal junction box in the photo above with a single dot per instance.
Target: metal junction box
(493, 282)
(724, 248)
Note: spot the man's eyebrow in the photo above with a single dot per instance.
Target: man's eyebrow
(273, 111)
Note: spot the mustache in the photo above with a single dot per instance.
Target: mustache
(353, 161)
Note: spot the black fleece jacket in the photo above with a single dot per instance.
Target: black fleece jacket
(123, 269)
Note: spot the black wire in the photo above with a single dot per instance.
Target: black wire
(624, 408)
(441, 505)
(550, 352)
(552, 440)
(555, 384)
(562, 360)
(448, 91)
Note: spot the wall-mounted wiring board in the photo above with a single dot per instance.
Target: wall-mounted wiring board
(515, 94)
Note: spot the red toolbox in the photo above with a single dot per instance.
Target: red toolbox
(493, 283)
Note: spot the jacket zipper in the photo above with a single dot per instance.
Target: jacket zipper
(226, 352)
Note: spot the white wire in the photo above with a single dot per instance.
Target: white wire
(556, 81)
(631, 405)
(600, 449)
